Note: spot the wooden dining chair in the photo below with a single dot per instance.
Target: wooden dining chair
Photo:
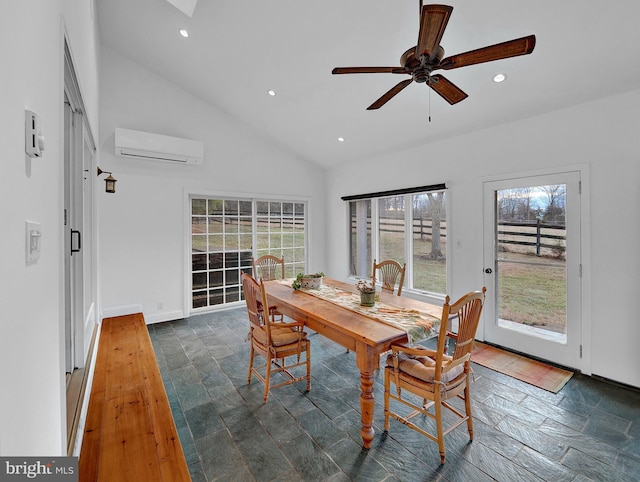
(390, 274)
(277, 343)
(267, 268)
(434, 376)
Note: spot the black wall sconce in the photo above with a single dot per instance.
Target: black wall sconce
(110, 181)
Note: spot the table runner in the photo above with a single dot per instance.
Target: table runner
(418, 325)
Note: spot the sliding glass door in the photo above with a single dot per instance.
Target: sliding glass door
(226, 233)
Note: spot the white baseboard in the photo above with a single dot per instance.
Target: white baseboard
(148, 318)
(163, 316)
(121, 310)
(91, 364)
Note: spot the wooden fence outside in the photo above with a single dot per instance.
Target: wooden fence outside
(528, 234)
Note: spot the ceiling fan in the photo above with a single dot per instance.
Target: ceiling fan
(427, 56)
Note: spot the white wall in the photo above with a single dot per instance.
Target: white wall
(602, 134)
(32, 408)
(142, 225)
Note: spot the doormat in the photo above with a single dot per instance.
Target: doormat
(517, 366)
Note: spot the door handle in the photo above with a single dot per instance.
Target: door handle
(488, 270)
(79, 238)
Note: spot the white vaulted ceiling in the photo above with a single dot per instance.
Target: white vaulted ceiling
(238, 50)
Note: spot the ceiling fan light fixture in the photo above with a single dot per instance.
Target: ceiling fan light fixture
(184, 32)
(340, 139)
(499, 78)
(272, 93)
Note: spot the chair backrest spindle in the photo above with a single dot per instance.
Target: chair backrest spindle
(468, 310)
(268, 267)
(255, 297)
(390, 273)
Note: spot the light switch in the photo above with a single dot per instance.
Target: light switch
(33, 238)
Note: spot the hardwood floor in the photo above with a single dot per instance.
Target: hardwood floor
(590, 430)
(129, 432)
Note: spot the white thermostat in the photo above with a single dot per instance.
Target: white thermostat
(33, 138)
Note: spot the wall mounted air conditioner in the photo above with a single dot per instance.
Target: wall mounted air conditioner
(156, 147)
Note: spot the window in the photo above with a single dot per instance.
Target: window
(391, 228)
(360, 215)
(429, 242)
(408, 226)
(280, 232)
(225, 234)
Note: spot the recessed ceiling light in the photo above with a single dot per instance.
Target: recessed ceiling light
(500, 78)
(272, 93)
(184, 33)
(340, 139)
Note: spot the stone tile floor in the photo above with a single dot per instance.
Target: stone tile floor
(590, 430)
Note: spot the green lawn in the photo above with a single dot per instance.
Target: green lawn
(532, 294)
(528, 293)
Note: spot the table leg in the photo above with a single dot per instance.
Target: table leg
(367, 404)
(367, 362)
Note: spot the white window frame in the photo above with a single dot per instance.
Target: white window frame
(190, 194)
(408, 287)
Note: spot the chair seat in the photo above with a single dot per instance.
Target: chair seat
(429, 387)
(423, 367)
(280, 336)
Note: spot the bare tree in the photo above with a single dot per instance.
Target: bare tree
(507, 204)
(391, 207)
(514, 204)
(435, 210)
(555, 196)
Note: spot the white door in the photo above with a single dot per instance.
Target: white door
(73, 229)
(79, 225)
(532, 265)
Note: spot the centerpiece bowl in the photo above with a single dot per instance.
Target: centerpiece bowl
(308, 281)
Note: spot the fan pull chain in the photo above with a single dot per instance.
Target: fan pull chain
(429, 95)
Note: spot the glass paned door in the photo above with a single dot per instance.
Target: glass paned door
(226, 233)
(532, 264)
(221, 249)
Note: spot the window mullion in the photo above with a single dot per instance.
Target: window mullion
(408, 241)
(375, 232)
(254, 227)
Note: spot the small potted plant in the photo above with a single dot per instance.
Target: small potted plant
(310, 281)
(367, 292)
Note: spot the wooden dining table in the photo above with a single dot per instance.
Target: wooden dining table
(362, 334)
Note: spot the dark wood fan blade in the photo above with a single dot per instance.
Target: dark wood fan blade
(433, 21)
(368, 70)
(389, 94)
(504, 50)
(447, 89)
